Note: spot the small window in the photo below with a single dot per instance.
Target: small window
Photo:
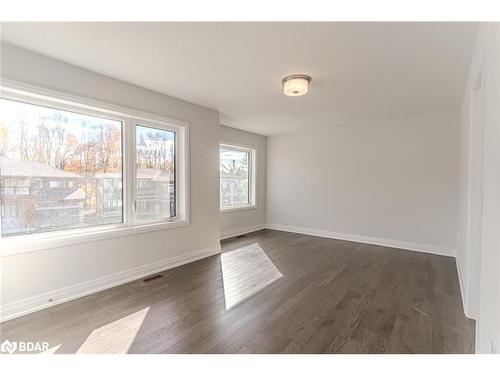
(13, 210)
(56, 184)
(236, 177)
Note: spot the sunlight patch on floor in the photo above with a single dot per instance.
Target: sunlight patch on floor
(245, 272)
(115, 337)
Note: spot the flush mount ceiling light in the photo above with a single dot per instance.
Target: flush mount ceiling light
(296, 84)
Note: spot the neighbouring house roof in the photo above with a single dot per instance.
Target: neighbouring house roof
(76, 195)
(142, 174)
(111, 175)
(27, 168)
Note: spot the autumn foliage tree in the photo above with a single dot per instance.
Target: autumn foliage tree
(84, 145)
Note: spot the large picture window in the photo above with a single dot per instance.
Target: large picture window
(236, 177)
(67, 166)
(50, 167)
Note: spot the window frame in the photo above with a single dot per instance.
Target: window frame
(178, 147)
(252, 177)
(35, 95)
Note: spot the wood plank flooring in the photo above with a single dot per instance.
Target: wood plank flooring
(270, 292)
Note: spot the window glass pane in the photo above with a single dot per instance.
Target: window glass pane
(234, 177)
(155, 174)
(53, 167)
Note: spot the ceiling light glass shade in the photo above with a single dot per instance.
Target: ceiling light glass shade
(296, 85)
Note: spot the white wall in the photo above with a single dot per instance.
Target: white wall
(233, 223)
(483, 300)
(391, 182)
(91, 265)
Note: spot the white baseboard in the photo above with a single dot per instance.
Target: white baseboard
(41, 301)
(425, 248)
(240, 231)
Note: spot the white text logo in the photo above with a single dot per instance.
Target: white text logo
(23, 346)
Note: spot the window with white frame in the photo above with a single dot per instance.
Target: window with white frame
(155, 173)
(237, 177)
(68, 166)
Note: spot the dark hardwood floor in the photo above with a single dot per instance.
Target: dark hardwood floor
(270, 292)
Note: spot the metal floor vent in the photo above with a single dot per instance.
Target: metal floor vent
(151, 278)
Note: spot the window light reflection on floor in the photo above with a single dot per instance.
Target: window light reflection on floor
(245, 272)
(115, 337)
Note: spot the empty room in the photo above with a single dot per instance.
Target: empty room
(250, 187)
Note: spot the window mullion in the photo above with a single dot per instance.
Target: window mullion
(130, 195)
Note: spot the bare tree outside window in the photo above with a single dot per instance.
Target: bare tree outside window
(155, 174)
(234, 177)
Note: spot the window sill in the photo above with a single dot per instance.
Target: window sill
(41, 241)
(238, 208)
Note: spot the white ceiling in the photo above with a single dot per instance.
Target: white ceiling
(360, 71)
